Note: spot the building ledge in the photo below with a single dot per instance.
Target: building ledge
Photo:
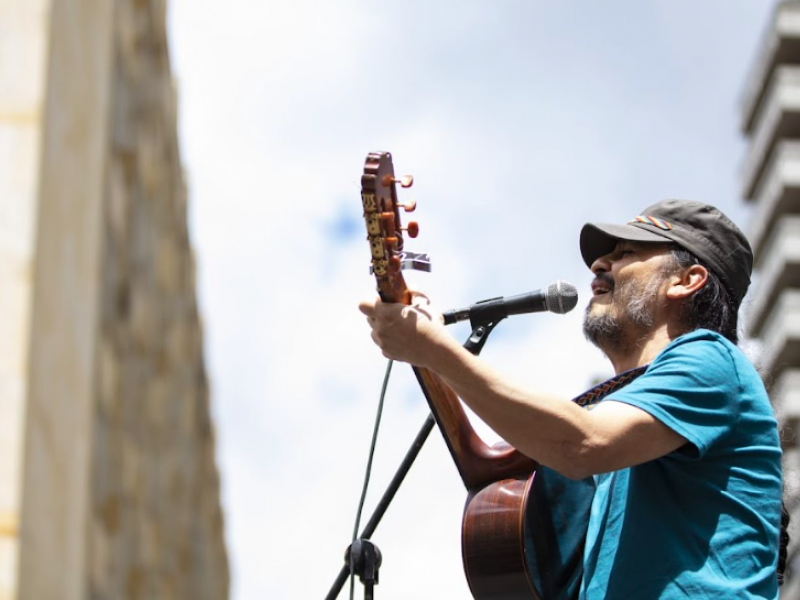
(778, 195)
(784, 394)
(780, 269)
(778, 120)
(781, 334)
(780, 44)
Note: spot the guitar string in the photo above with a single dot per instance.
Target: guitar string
(369, 469)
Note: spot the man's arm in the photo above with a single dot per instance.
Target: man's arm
(557, 433)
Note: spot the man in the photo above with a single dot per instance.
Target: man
(686, 458)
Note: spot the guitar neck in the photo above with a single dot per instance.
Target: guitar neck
(477, 462)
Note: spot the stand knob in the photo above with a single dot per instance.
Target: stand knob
(365, 558)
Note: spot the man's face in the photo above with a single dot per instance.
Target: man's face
(627, 291)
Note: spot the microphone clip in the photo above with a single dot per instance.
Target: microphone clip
(487, 312)
(480, 333)
(483, 317)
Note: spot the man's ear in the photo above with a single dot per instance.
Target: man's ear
(687, 282)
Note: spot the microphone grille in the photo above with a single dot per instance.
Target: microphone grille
(562, 297)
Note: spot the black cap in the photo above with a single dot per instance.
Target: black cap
(699, 228)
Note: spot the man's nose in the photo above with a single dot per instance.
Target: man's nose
(601, 265)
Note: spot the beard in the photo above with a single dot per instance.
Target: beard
(627, 319)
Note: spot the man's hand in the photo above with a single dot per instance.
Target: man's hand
(413, 334)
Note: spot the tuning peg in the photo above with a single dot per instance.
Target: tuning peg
(405, 181)
(409, 206)
(412, 229)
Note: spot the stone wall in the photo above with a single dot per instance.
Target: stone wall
(157, 526)
(110, 488)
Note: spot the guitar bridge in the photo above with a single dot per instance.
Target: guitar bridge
(413, 261)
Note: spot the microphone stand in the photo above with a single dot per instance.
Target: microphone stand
(363, 554)
(366, 563)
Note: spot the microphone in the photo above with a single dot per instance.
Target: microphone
(559, 297)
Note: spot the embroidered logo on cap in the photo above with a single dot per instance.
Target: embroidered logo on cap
(655, 221)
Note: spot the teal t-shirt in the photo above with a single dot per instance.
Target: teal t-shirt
(703, 521)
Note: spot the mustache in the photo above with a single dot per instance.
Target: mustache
(606, 279)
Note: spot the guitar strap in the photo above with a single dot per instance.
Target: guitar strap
(557, 515)
(600, 391)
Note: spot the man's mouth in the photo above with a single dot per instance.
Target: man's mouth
(600, 287)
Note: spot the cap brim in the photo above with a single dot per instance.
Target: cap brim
(599, 239)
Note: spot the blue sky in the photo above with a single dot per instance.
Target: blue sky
(520, 120)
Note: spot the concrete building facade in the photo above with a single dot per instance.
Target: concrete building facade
(108, 481)
(770, 120)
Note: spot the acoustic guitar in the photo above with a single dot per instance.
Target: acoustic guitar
(524, 525)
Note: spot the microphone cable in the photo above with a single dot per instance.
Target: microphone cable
(369, 470)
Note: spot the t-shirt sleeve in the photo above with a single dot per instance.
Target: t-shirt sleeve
(693, 388)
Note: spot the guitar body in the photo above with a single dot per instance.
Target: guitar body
(493, 541)
(523, 538)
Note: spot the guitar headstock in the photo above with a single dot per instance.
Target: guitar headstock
(385, 229)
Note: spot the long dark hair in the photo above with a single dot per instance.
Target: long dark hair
(713, 307)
